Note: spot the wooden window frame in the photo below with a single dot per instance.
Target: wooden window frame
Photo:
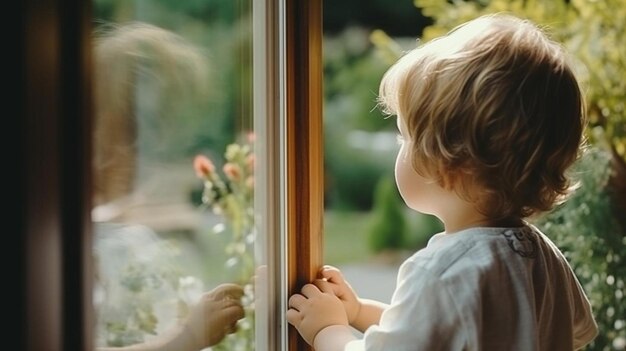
(53, 104)
(305, 146)
(52, 96)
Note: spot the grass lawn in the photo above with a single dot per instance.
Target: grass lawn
(345, 237)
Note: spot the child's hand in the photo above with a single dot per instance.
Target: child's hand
(343, 291)
(315, 309)
(215, 315)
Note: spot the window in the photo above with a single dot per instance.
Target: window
(279, 94)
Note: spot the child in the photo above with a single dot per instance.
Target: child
(490, 118)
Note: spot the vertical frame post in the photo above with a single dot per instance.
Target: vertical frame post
(305, 155)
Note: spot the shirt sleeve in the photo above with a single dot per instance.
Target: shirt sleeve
(584, 324)
(422, 316)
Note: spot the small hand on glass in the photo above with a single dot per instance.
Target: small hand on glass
(215, 315)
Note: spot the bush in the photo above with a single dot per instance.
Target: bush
(351, 178)
(388, 228)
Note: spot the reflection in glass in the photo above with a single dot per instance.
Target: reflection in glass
(173, 184)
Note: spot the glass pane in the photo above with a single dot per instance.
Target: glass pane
(369, 230)
(173, 187)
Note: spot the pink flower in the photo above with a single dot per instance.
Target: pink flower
(203, 166)
(232, 171)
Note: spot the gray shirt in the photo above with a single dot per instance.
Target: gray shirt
(485, 289)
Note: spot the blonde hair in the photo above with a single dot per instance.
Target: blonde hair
(494, 111)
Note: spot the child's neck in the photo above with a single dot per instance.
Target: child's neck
(451, 228)
(462, 215)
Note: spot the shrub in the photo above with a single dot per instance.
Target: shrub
(351, 179)
(388, 228)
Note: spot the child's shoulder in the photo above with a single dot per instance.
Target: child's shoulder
(481, 250)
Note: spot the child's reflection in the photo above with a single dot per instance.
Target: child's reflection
(128, 255)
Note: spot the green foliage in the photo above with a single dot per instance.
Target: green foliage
(592, 31)
(352, 71)
(352, 175)
(587, 231)
(389, 226)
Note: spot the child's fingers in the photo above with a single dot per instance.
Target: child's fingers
(293, 317)
(324, 286)
(230, 314)
(295, 301)
(310, 290)
(227, 290)
(332, 274)
(327, 267)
